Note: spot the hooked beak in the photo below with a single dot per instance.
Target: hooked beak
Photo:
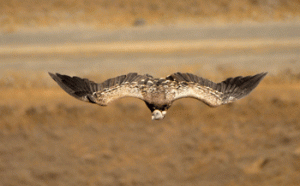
(158, 115)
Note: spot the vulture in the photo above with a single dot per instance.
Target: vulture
(159, 93)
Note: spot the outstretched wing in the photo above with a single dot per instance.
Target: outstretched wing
(102, 93)
(213, 94)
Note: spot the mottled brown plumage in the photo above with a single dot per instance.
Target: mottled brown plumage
(159, 94)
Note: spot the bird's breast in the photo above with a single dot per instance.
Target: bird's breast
(156, 95)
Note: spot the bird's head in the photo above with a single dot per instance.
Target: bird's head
(158, 114)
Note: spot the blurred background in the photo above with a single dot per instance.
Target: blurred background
(49, 138)
(33, 14)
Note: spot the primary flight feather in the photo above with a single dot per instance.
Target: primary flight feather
(159, 93)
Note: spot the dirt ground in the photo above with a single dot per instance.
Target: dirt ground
(31, 14)
(50, 138)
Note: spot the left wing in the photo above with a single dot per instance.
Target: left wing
(102, 93)
(213, 94)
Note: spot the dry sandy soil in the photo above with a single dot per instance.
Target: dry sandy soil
(19, 14)
(50, 138)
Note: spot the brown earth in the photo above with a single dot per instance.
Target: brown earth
(31, 14)
(50, 138)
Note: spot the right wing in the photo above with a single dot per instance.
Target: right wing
(102, 93)
(213, 94)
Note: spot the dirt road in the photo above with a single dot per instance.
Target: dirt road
(259, 47)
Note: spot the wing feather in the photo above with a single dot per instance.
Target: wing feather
(130, 76)
(111, 82)
(193, 77)
(102, 93)
(213, 94)
(119, 80)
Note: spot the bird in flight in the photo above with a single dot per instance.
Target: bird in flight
(159, 93)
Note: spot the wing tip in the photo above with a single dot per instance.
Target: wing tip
(248, 86)
(262, 74)
(57, 77)
(259, 77)
(54, 76)
(51, 74)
